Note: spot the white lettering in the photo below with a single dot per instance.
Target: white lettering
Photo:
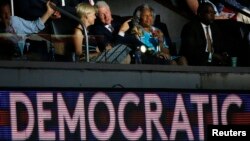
(97, 98)
(44, 115)
(214, 132)
(215, 110)
(200, 100)
(153, 116)
(180, 125)
(78, 115)
(230, 133)
(244, 133)
(130, 135)
(231, 99)
(22, 98)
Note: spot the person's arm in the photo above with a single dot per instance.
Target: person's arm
(124, 27)
(130, 39)
(23, 26)
(77, 40)
(48, 13)
(164, 50)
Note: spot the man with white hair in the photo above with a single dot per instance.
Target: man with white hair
(110, 28)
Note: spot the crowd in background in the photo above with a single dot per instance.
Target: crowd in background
(136, 39)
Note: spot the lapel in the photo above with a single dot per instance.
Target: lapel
(107, 32)
(202, 37)
(213, 32)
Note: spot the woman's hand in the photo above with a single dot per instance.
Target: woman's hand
(163, 55)
(159, 35)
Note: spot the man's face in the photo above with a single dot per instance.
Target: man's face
(5, 13)
(104, 14)
(147, 18)
(208, 15)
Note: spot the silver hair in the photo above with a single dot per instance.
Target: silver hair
(139, 9)
(102, 4)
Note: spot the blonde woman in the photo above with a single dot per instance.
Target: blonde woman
(86, 13)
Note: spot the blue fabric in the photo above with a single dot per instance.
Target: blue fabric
(151, 42)
(219, 6)
(22, 26)
(21, 29)
(234, 3)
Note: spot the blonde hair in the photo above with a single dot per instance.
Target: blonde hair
(83, 9)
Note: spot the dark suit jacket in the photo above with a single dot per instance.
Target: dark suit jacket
(104, 36)
(193, 43)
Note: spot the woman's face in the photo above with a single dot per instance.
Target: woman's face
(147, 19)
(91, 18)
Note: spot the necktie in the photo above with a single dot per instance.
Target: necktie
(111, 28)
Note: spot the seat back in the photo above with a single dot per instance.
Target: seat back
(61, 32)
(63, 26)
(163, 27)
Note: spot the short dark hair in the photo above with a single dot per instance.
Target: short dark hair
(203, 7)
(4, 3)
